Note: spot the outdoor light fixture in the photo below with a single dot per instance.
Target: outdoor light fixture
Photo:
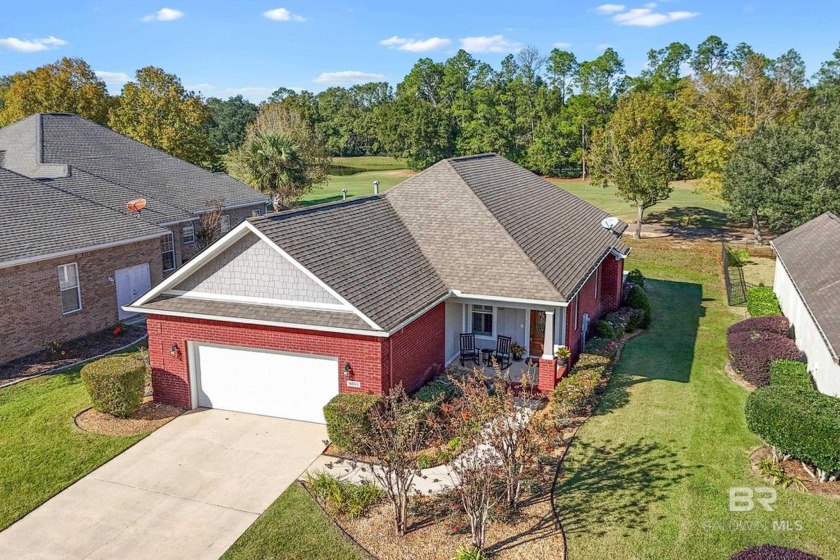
(174, 350)
(348, 370)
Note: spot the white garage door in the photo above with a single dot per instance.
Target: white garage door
(263, 382)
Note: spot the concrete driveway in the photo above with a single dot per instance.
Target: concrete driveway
(186, 491)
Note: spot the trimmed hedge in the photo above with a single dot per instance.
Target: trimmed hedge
(346, 414)
(115, 384)
(605, 347)
(802, 423)
(752, 352)
(625, 320)
(790, 373)
(439, 388)
(637, 298)
(635, 277)
(575, 392)
(773, 323)
(773, 552)
(606, 330)
(761, 301)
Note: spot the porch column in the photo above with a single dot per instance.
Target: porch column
(548, 342)
(548, 365)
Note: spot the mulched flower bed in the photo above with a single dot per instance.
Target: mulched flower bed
(794, 468)
(71, 352)
(150, 416)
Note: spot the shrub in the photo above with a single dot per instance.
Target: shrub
(602, 347)
(787, 372)
(592, 361)
(438, 389)
(635, 277)
(773, 552)
(575, 392)
(772, 323)
(465, 552)
(761, 301)
(606, 330)
(752, 352)
(347, 416)
(115, 384)
(625, 320)
(802, 423)
(637, 298)
(343, 496)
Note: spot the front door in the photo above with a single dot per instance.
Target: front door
(537, 333)
(131, 283)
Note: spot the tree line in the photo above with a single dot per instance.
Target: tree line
(753, 129)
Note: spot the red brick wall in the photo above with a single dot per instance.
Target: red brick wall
(416, 350)
(608, 299)
(416, 353)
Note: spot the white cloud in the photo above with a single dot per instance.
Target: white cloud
(647, 17)
(31, 45)
(493, 43)
(561, 45)
(610, 8)
(416, 45)
(165, 14)
(346, 77)
(282, 14)
(113, 78)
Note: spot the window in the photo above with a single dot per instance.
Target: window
(224, 224)
(168, 251)
(188, 233)
(68, 283)
(576, 313)
(482, 320)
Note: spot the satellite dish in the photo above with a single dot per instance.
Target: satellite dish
(136, 205)
(609, 223)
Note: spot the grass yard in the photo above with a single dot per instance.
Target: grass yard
(41, 450)
(293, 528)
(369, 163)
(648, 475)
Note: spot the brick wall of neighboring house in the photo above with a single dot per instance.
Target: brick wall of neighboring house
(31, 299)
(598, 296)
(416, 353)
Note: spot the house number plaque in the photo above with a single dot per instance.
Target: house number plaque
(355, 384)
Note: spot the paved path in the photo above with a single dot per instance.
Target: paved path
(186, 491)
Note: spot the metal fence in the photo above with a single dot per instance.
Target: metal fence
(733, 277)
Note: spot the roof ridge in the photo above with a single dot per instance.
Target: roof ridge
(316, 207)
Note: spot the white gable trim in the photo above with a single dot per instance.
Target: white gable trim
(297, 304)
(502, 299)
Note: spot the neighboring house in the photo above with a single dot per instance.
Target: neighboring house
(290, 309)
(807, 284)
(71, 254)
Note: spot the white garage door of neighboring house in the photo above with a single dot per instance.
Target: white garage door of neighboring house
(131, 283)
(263, 382)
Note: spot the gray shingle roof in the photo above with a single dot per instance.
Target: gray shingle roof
(42, 145)
(362, 250)
(37, 219)
(269, 313)
(809, 254)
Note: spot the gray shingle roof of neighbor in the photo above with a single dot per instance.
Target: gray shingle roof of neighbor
(809, 254)
(269, 313)
(363, 251)
(37, 219)
(44, 145)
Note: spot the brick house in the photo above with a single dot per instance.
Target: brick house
(71, 254)
(289, 309)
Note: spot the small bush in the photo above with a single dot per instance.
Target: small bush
(576, 392)
(468, 552)
(606, 330)
(438, 389)
(637, 298)
(787, 372)
(772, 323)
(625, 320)
(773, 552)
(761, 301)
(802, 423)
(115, 384)
(752, 352)
(635, 277)
(347, 415)
(602, 347)
(342, 496)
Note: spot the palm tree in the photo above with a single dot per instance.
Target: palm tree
(277, 168)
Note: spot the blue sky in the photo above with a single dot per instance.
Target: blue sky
(252, 47)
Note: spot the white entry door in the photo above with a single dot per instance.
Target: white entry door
(131, 283)
(262, 381)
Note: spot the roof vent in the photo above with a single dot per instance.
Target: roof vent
(376, 187)
(609, 223)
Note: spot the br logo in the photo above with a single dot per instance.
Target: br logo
(744, 498)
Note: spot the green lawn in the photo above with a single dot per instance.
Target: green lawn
(356, 184)
(293, 528)
(370, 163)
(648, 475)
(41, 449)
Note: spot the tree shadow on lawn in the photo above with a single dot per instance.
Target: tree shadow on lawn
(693, 222)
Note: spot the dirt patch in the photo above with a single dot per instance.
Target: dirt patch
(68, 353)
(737, 379)
(150, 416)
(794, 468)
(400, 173)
